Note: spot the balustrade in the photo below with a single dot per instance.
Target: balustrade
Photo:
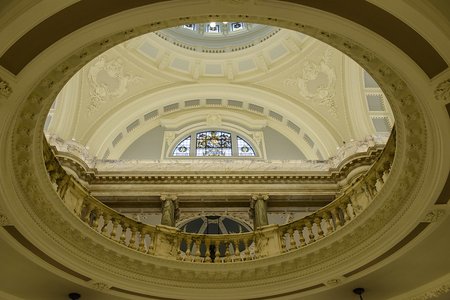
(171, 243)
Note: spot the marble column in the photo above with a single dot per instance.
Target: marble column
(259, 208)
(169, 210)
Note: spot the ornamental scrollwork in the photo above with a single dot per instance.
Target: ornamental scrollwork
(108, 80)
(442, 91)
(5, 89)
(317, 81)
(434, 216)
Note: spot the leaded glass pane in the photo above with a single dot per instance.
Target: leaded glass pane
(237, 26)
(190, 26)
(183, 148)
(213, 29)
(244, 148)
(213, 143)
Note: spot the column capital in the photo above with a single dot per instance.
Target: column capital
(171, 197)
(260, 197)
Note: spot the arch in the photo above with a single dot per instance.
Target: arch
(325, 136)
(407, 88)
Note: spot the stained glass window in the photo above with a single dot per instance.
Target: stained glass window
(244, 149)
(237, 26)
(190, 26)
(183, 148)
(213, 143)
(213, 29)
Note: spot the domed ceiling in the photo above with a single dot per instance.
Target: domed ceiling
(289, 95)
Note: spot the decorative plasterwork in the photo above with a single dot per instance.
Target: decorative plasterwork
(317, 82)
(435, 215)
(99, 286)
(214, 120)
(74, 240)
(442, 91)
(108, 80)
(4, 220)
(5, 89)
(439, 291)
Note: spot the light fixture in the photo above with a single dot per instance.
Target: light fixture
(212, 24)
(225, 23)
(74, 296)
(359, 291)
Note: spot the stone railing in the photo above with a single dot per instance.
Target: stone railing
(171, 243)
(354, 200)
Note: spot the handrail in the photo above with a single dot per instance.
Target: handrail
(171, 243)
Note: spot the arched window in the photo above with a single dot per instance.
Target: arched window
(213, 143)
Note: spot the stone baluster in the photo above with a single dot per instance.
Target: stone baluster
(141, 246)
(151, 245)
(385, 174)
(115, 230)
(217, 253)
(107, 218)
(247, 243)
(353, 200)
(197, 254)
(372, 184)
(318, 222)
(301, 237)
(237, 253)
(312, 237)
(283, 234)
(292, 244)
(123, 236)
(367, 191)
(188, 249)
(328, 221)
(259, 205)
(350, 208)
(336, 218)
(207, 251)
(380, 178)
(95, 219)
(88, 208)
(344, 207)
(133, 238)
(227, 251)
